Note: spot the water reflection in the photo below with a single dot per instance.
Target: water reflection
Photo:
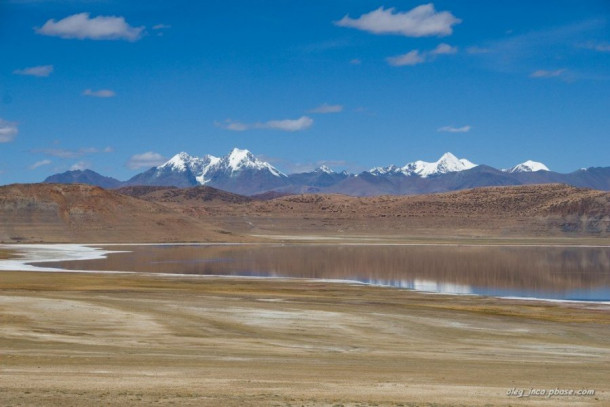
(541, 272)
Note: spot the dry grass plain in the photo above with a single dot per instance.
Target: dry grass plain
(72, 339)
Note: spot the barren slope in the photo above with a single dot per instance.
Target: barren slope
(198, 194)
(83, 213)
(523, 210)
(80, 213)
(190, 201)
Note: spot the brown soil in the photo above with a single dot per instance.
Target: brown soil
(83, 213)
(127, 340)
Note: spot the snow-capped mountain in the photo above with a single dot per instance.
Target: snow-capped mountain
(528, 166)
(446, 164)
(324, 169)
(239, 171)
(237, 162)
(389, 170)
(183, 162)
(191, 167)
(242, 173)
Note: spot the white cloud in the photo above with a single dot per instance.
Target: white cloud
(451, 129)
(415, 57)
(39, 164)
(299, 124)
(302, 123)
(444, 49)
(8, 131)
(81, 26)
(80, 166)
(234, 126)
(355, 61)
(547, 74)
(145, 160)
(422, 21)
(40, 71)
(102, 93)
(410, 58)
(160, 29)
(326, 108)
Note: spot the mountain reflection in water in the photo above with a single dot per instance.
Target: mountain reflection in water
(578, 273)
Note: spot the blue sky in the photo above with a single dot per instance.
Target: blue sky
(119, 86)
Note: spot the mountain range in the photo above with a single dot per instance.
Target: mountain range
(242, 173)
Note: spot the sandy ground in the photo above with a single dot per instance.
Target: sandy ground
(70, 339)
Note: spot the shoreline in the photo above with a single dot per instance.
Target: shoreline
(69, 252)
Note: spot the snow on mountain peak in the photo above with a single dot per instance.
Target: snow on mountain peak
(385, 170)
(454, 163)
(448, 157)
(238, 159)
(529, 166)
(207, 167)
(177, 162)
(447, 163)
(182, 161)
(325, 169)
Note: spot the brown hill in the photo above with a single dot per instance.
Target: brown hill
(198, 194)
(522, 210)
(83, 213)
(191, 201)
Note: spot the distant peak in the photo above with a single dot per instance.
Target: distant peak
(238, 156)
(384, 170)
(240, 159)
(324, 168)
(179, 161)
(529, 166)
(182, 156)
(447, 163)
(448, 157)
(240, 152)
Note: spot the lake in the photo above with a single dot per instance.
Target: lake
(545, 272)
